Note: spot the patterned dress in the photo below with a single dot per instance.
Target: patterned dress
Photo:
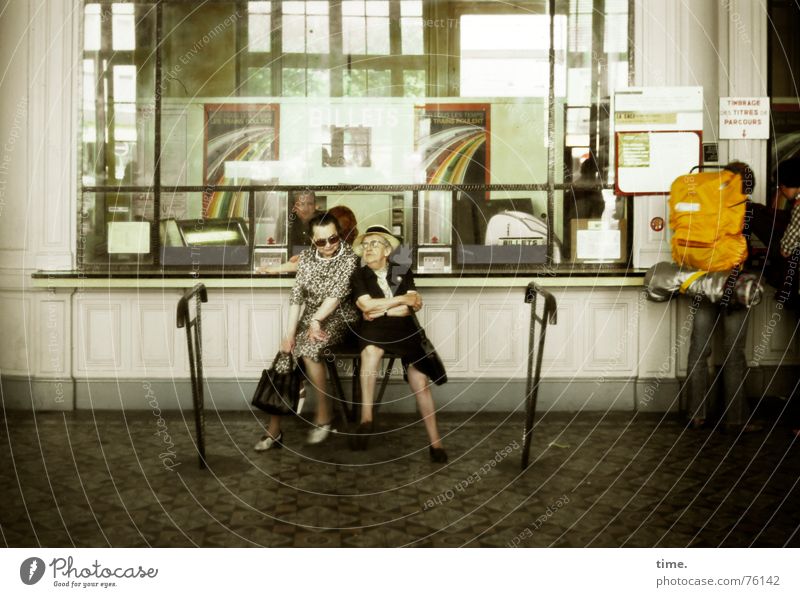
(318, 279)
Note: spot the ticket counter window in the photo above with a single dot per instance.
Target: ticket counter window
(483, 229)
(592, 63)
(118, 72)
(116, 229)
(435, 115)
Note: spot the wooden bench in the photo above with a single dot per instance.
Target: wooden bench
(349, 350)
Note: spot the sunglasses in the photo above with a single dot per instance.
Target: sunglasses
(373, 244)
(331, 240)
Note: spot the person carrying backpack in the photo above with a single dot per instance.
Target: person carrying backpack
(707, 218)
(789, 189)
(777, 226)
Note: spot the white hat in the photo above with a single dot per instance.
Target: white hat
(376, 230)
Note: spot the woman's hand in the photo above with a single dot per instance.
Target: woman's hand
(416, 301)
(315, 332)
(287, 344)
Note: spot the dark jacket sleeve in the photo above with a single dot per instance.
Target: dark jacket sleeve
(359, 283)
(402, 281)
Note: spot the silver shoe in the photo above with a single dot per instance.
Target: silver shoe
(269, 443)
(319, 434)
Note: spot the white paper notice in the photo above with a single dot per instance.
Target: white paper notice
(598, 244)
(129, 237)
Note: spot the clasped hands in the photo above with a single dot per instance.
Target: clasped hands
(411, 300)
(315, 332)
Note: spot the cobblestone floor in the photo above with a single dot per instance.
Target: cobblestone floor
(111, 479)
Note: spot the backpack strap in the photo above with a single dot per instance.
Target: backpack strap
(691, 280)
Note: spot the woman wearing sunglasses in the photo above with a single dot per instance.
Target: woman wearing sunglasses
(322, 285)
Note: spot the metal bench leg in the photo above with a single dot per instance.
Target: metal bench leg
(357, 400)
(384, 382)
(339, 399)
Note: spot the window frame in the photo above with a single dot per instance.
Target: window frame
(433, 75)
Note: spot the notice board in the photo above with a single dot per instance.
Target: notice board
(657, 137)
(649, 161)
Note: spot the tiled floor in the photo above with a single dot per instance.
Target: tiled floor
(102, 479)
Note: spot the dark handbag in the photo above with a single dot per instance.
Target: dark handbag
(430, 364)
(278, 391)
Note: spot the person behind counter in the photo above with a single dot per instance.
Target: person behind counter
(322, 285)
(304, 208)
(349, 230)
(387, 297)
(582, 201)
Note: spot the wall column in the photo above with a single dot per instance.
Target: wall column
(743, 50)
(39, 54)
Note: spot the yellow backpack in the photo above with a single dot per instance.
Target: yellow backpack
(707, 213)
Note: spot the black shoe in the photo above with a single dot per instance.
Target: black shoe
(734, 429)
(360, 438)
(437, 454)
(696, 423)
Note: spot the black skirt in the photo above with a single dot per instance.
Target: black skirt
(397, 335)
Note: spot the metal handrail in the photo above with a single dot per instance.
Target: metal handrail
(549, 316)
(195, 344)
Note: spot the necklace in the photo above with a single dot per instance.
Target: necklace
(332, 257)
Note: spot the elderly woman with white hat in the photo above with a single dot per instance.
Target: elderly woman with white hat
(386, 295)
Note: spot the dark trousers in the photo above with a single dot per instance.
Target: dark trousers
(709, 317)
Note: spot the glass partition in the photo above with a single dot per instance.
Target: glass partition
(590, 223)
(116, 229)
(118, 64)
(431, 118)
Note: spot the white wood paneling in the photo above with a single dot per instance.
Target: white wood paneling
(564, 340)
(446, 322)
(612, 337)
(260, 330)
(101, 339)
(18, 352)
(217, 341)
(683, 334)
(774, 335)
(596, 334)
(497, 350)
(54, 344)
(656, 329)
(153, 336)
